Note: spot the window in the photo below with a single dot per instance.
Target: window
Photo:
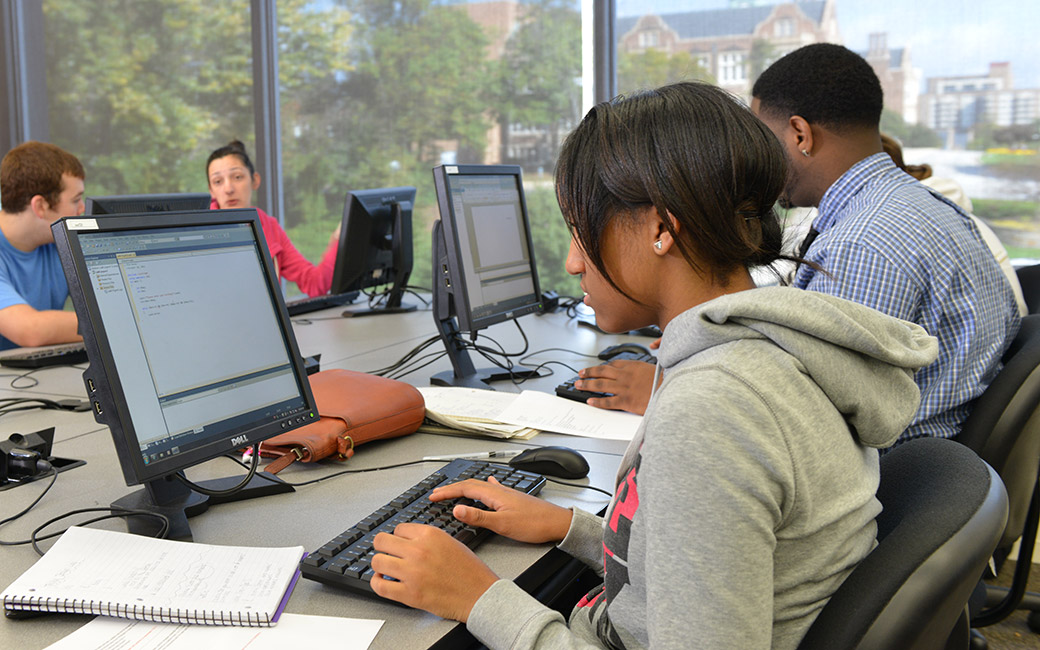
(372, 94)
(952, 118)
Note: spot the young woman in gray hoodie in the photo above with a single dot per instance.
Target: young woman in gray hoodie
(748, 494)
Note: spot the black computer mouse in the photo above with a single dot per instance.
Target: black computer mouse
(561, 462)
(609, 353)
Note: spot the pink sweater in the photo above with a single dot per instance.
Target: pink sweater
(289, 263)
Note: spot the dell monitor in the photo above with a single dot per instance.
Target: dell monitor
(375, 247)
(192, 354)
(483, 264)
(138, 203)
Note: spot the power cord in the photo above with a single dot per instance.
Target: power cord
(24, 458)
(277, 479)
(13, 404)
(231, 490)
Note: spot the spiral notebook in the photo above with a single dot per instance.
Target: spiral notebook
(92, 571)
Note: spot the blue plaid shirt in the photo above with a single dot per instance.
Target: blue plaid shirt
(887, 242)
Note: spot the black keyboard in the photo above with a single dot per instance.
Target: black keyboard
(345, 561)
(59, 355)
(567, 389)
(307, 305)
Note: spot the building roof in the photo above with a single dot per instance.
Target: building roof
(895, 56)
(720, 22)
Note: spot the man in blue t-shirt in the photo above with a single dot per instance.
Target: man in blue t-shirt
(39, 184)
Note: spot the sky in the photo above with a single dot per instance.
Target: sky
(945, 37)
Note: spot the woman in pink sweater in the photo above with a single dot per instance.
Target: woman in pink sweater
(232, 180)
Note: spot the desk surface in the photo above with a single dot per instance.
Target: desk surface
(315, 513)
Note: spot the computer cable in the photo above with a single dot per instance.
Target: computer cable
(43, 465)
(231, 490)
(403, 366)
(525, 360)
(277, 479)
(113, 513)
(418, 364)
(578, 485)
(570, 305)
(31, 381)
(13, 404)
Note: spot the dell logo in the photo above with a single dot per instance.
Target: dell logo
(238, 441)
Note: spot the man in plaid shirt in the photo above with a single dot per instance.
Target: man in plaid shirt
(881, 238)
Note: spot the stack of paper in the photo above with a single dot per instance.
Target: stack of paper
(470, 411)
(520, 415)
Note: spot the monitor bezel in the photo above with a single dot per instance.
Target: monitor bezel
(452, 278)
(101, 378)
(93, 202)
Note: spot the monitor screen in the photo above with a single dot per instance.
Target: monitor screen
(192, 355)
(488, 242)
(136, 203)
(375, 247)
(483, 262)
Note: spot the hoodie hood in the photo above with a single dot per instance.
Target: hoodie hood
(863, 360)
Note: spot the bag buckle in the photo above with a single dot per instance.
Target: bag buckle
(298, 452)
(350, 450)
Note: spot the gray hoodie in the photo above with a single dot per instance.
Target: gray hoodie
(747, 495)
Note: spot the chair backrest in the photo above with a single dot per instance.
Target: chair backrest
(944, 510)
(1029, 279)
(1004, 425)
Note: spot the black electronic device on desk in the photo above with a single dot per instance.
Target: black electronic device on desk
(346, 560)
(140, 203)
(484, 271)
(315, 303)
(620, 352)
(64, 354)
(192, 353)
(375, 248)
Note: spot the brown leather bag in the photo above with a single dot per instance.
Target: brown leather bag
(355, 408)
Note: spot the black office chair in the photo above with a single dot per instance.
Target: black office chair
(944, 510)
(1029, 279)
(1004, 429)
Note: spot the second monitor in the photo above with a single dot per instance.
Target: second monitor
(375, 247)
(483, 264)
(138, 203)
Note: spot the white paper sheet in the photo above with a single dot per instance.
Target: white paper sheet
(292, 631)
(547, 412)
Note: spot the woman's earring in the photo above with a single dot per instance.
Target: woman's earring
(805, 152)
(658, 244)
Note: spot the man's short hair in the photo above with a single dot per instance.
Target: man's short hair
(34, 168)
(823, 83)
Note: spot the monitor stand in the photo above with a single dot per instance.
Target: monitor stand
(463, 373)
(178, 502)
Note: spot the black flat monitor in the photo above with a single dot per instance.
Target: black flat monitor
(483, 264)
(192, 354)
(138, 203)
(375, 248)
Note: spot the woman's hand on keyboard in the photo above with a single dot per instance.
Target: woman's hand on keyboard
(431, 570)
(629, 383)
(513, 514)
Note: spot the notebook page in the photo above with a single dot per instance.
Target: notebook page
(101, 566)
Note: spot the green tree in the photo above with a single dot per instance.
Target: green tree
(165, 82)
(762, 55)
(551, 240)
(652, 68)
(909, 135)
(539, 78)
